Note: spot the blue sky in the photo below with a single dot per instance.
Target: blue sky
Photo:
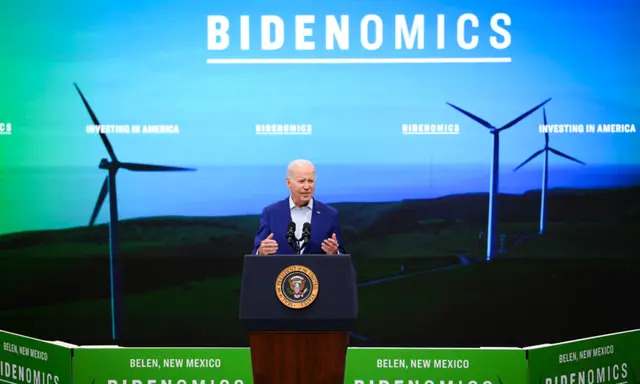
(144, 62)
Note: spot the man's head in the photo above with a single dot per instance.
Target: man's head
(301, 181)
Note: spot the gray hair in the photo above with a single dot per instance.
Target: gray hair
(298, 163)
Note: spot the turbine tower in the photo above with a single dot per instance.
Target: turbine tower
(492, 235)
(545, 171)
(109, 186)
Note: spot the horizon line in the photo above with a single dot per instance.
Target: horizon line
(257, 213)
(406, 60)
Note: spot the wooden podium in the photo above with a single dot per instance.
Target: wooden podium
(299, 339)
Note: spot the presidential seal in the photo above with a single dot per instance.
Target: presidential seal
(297, 287)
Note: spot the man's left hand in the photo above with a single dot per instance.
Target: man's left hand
(330, 245)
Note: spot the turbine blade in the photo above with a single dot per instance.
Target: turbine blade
(528, 160)
(517, 119)
(101, 196)
(474, 117)
(546, 139)
(151, 167)
(546, 134)
(566, 156)
(106, 142)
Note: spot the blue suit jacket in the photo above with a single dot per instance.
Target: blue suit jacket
(277, 216)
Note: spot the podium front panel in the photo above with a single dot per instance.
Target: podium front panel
(334, 308)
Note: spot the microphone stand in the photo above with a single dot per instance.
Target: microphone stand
(306, 240)
(306, 235)
(291, 237)
(293, 243)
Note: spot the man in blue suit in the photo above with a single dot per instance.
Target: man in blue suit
(300, 207)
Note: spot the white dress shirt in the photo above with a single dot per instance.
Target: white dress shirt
(300, 215)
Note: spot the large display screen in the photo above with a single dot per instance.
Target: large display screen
(418, 117)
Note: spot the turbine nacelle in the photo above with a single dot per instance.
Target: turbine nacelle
(105, 164)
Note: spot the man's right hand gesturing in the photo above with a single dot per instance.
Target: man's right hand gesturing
(268, 246)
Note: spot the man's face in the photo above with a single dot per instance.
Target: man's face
(301, 184)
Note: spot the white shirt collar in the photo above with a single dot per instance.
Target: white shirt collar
(293, 205)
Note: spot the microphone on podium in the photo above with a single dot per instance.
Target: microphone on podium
(291, 237)
(306, 234)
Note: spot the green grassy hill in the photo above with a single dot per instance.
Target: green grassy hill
(182, 275)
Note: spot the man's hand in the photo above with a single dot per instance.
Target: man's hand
(268, 246)
(330, 245)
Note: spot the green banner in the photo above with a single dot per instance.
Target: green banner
(435, 366)
(92, 365)
(609, 359)
(32, 361)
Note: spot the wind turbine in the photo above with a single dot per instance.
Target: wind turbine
(492, 235)
(545, 172)
(109, 186)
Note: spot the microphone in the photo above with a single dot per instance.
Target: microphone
(306, 231)
(306, 234)
(291, 237)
